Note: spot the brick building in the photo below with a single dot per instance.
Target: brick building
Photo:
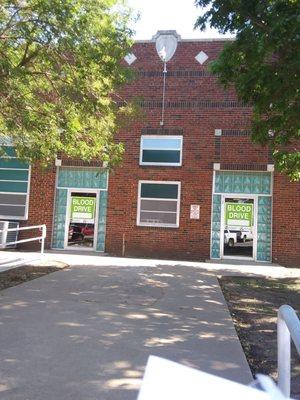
(194, 187)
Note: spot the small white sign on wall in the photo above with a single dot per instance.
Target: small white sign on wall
(195, 211)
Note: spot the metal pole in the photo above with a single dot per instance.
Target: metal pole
(288, 326)
(4, 234)
(284, 357)
(163, 97)
(123, 245)
(43, 239)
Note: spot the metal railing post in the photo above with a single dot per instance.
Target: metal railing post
(41, 238)
(288, 325)
(44, 230)
(4, 234)
(284, 357)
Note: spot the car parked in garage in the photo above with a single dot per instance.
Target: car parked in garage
(78, 232)
(246, 234)
(230, 238)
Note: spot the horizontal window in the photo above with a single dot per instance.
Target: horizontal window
(152, 205)
(13, 175)
(161, 150)
(158, 204)
(13, 199)
(8, 151)
(12, 211)
(164, 191)
(14, 186)
(12, 163)
(158, 218)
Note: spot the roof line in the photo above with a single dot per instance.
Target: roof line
(191, 40)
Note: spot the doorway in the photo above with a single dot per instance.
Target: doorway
(81, 221)
(238, 227)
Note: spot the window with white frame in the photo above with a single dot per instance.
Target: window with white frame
(161, 150)
(158, 204)
(14, 185)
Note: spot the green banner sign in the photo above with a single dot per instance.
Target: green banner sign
(83, 208)
(239, 214)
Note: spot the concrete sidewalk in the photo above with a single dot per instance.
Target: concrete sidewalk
(86, 332)
(12, 259)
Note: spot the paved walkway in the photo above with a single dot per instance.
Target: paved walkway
(85, 333)
(11, 259)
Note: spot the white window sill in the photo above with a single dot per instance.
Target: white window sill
(158, 225)
(146, 164)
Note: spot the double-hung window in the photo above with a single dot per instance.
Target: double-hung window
(161, 150)
(158, 204)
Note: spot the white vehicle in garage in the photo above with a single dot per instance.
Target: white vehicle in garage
(230, 238)
(246, 234)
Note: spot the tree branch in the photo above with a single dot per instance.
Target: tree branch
(8, 26)
(24, 55)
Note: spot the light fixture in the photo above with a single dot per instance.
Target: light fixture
(166, 45)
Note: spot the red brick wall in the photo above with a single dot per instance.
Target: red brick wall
(192, 239)
(41, 205)
(286, 221)
(196, 104)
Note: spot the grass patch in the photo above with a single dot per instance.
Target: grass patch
(253, 304)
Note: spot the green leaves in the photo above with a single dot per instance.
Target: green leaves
(59, 68)
(263, 64)
(288, 163)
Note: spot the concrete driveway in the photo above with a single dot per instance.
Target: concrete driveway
(86, 332)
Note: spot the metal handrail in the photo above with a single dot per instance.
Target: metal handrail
(288, 326)
(41, 238)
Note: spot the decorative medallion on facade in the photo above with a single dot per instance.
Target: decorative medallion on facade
(201, 57)
(166, 44)
(130, 58)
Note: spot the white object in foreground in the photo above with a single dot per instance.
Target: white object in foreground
(167, 380)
